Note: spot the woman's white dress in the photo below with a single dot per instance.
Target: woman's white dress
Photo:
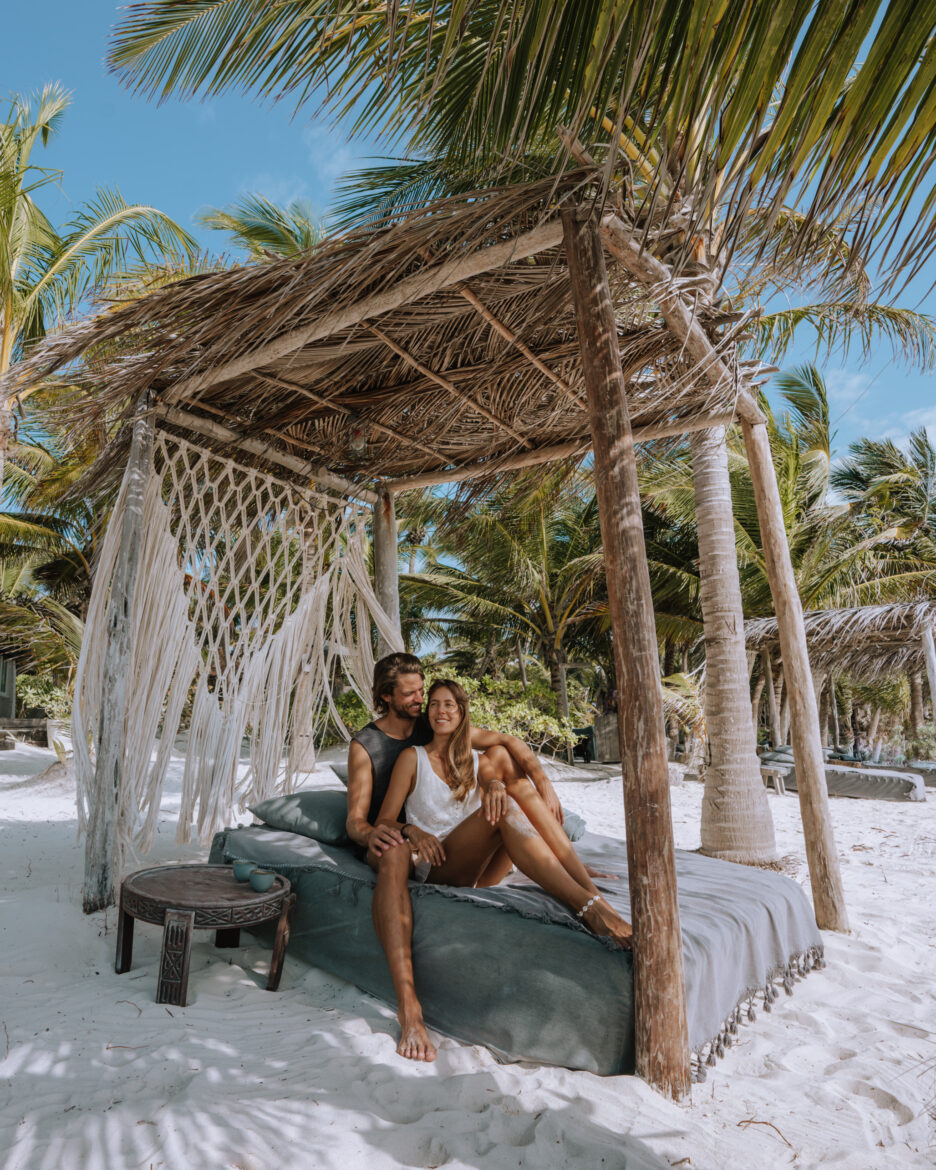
(432, 807)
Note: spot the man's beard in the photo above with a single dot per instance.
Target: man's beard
(405, 712)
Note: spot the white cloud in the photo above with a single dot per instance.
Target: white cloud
(281, 189)
(845, 387)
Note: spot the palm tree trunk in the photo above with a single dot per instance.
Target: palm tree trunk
(521, 659)
(916, 703)
(833, 705)
(756, 702)
(736, 821)
(6, 434)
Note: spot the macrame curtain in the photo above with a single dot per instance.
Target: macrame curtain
(251, 594)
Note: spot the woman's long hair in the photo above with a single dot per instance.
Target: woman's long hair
(459, 766)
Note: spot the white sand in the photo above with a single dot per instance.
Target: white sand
(95, 1076)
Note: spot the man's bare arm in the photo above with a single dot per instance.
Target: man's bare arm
(360, 791)
(524, 758)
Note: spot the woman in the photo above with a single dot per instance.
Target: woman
(469, 819)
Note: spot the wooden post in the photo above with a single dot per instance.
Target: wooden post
(386, 570)
(101, 842)
(771, 698)
(929, 651)
(825, 876)
(661, 1033)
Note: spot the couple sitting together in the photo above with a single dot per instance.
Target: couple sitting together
(433, 799)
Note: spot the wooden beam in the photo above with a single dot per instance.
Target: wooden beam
(449, 386)
(661, 1034)
(214, 430)
(100, 871)
(499, 327)
(403, 292)
(285, 384)
(656, 278)
(493, 466)
(386, 566)
(824, 874)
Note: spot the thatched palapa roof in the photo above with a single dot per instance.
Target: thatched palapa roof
(444, 341)
(869, 641)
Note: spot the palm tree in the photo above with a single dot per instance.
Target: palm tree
(520, 571)
(264, 229)
(47, 272)
(767, 154)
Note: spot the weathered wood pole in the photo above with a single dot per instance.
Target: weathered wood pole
(386, 569)
(772, 709)
(101, 842)
(661, 1033)
(929, 651)
(825, 876)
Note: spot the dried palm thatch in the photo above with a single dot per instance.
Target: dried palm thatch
(423, 346)
(869, 641)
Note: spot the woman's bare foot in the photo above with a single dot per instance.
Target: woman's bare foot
(414, 1040)
(603, 920)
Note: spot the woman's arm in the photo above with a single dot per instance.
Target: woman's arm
(402, 782)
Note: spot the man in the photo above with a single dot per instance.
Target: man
(398, 700)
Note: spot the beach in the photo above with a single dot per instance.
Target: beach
(96, 1076)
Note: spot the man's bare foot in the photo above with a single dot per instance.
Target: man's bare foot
(603, 920)
(414, 1041)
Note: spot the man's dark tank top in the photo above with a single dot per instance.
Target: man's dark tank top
(384, 751)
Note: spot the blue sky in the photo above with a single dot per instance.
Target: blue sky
(181, 157)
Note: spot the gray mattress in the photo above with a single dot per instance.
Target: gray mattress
(510, 968)
(867, 782)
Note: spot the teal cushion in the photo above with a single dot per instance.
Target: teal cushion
(316, 814)
(573, 824)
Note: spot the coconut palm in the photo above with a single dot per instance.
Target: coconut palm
(744, 146)
(264, 229)
(47, 272)
(523, 568)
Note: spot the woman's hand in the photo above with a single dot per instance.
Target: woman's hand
(381, 838)
(494, 801)
(424, 845)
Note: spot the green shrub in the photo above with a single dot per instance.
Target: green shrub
(41, 698)
(923, 745)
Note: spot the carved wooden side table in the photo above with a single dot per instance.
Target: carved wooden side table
(181, 898)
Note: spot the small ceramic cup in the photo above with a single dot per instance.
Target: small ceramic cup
(243, 869)
(262, 879)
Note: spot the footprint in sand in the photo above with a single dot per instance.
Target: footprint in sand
(884, 1100)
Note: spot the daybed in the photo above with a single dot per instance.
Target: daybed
(510, 968)
(867, 782)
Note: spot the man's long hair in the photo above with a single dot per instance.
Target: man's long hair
(459, 765)
(386, 673)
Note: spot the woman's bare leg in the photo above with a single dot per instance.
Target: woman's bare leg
(502, 767)
(530, 818)
(534, 857)
(393, 921)
(498, 868)
(470, 849)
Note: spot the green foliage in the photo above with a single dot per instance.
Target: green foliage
(38, 697)
(531, 715)
(923, 745)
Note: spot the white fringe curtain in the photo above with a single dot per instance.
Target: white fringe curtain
(248, 591)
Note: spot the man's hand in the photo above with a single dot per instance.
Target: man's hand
(424, 845)
(493, 801)
(384, 837)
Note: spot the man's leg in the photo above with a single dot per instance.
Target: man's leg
(393, 921)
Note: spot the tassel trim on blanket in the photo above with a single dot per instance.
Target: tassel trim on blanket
(797, 967)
